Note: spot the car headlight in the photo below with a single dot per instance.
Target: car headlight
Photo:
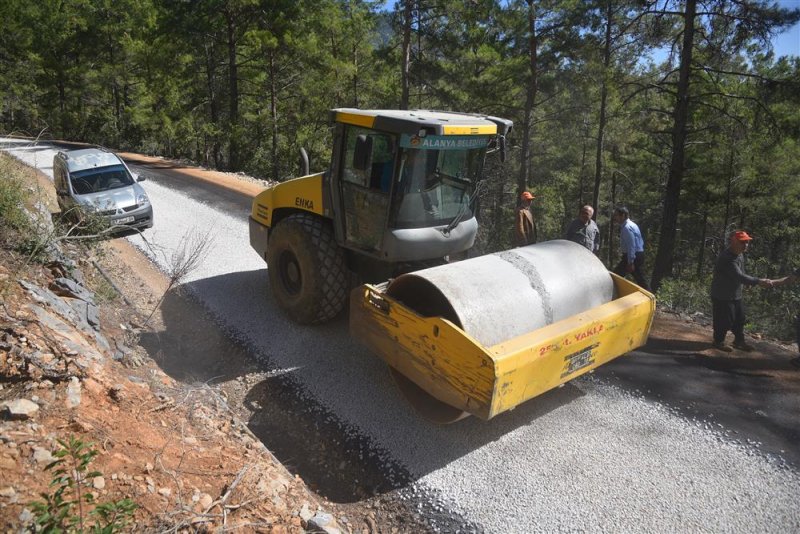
(142, 200)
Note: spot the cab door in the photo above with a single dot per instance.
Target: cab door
(366, 180)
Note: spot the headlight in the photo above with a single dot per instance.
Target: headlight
(142, 200)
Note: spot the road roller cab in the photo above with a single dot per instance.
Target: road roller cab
(399, 195)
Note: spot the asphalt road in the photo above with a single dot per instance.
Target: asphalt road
(663, 440)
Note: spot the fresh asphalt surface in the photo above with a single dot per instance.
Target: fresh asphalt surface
(622, 450)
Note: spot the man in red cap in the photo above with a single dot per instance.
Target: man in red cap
(726, 293)
(525, 226)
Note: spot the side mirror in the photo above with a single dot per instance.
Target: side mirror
(362, 155)
(141, 178)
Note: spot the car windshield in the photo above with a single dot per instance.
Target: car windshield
(100, 179)
(438, 176)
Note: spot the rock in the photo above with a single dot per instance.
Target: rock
(98, 483)
(20, 408)
(73, 392)
(7, 464)
(165, 492)
(305, 513)
(66, 268)
(26, 517)
(93, 316)
(50, 299)
(322, 522)
(8, 492)
(93, 386)
(81, 311)
(42, 456)
(205, 501)
(69, 288)
(69, 340)
(189, 440)
(116, 392)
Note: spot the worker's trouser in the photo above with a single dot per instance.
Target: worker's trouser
(638, 272)
(728, 315)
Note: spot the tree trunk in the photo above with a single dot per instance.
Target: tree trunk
(669, 220)
(273, 111)
(601, 119)
(408, 11)
(212, 102)
(233, 96)
(530, 99)
(701, 250)
(582, 179)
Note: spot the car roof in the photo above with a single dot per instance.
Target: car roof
(87, 158)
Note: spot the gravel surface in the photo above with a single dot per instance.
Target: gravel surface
(584, 457)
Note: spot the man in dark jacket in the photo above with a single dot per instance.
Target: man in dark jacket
(726, 293)
(583, 230)
(524, 224)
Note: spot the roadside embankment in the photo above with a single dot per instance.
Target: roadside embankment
(72, 371)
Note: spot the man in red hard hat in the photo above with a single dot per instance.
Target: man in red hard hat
(525, 226)
(726, 293)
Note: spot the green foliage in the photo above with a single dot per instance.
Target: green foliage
(13, 198)
(685, 295)
(19, 230)
(70, 506)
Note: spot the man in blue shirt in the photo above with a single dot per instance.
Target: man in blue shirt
(632, 246)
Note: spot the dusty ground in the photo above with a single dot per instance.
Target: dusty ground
(173, 448)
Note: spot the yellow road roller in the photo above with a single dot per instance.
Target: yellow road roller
(397, 202)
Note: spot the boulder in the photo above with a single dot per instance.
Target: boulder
(70, 288)
(20, 408)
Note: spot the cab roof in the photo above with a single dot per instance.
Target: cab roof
(87, 158)
(412, 121)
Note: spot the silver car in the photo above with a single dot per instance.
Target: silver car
(96, 180)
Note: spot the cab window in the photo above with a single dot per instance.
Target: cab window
(367, 170)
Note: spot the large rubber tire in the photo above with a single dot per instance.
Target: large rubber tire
(307, 269)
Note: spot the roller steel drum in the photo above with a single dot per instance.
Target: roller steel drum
(499, 296)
